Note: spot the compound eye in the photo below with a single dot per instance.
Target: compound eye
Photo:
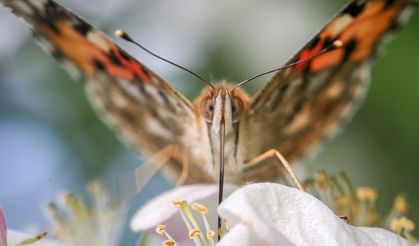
(207, 108)
(237, 107)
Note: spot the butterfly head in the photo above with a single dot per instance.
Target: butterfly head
(222, 105)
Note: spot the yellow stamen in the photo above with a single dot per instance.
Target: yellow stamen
(188, 218)
(200, 208)
(220, 231)
(34, 239)
(160, 229)
(322, 180)
(194, 233)
(77, 207)
(400, 204)
(344, 200)
(210, 234)
(188, 213)
(227, 225)
(308, 184)
(366, 194)
(402, 224)
(169, 242)
(179, 203)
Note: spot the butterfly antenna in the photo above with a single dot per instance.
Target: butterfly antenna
(126, 37)
(336, 44)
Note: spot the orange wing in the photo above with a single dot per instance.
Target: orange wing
(305, 103)
(144, 108)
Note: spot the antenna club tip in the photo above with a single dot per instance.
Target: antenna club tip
(338, 43)
(119, 33)
(122, 34)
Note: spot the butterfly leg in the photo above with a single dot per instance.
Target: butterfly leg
(185, 170)
(142, 174)
(149, 168)
(282, 161)
(344, 218)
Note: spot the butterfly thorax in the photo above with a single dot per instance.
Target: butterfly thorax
(223, 106)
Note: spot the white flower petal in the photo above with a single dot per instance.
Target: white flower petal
(240, 233)
(297, 217)
(246, 235)
(161, 210)
(383, 237)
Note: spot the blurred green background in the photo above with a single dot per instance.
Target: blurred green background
(51, 139)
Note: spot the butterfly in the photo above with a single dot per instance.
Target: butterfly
(304, 103)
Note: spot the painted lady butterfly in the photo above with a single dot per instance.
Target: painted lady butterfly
(299, 106)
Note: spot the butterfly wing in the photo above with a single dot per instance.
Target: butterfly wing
(302, 105)
(143, 107)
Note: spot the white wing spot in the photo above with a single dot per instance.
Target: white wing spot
(155, 127)
(94, 93)
(404, 15)
(45, 45)
(98, 39)
(118, 99)
(130, 89)
(23, 7)
(39, 4)
(334, 90)
(154, 93)
(339, 24)
(71, 69)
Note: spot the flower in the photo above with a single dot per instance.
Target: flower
(94, 221)
(161, 210)
(11, 237)
(274, 214)
(3, 229)
(259, 214)
(75, 222)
